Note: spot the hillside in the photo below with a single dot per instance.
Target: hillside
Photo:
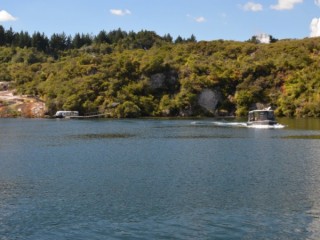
(151, 76)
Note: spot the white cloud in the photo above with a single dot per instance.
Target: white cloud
(315, 27)
(5, 16)
(120, 12)
(223, 15)
(200, 19)
(197, 19)
(254, 7)
(286, 4)
(317, 2)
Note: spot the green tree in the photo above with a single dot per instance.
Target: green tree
(128, 110)
(10, 36)
(40, 42)
(59, 42)
(102, 37)
(2, 36)
(178, 40)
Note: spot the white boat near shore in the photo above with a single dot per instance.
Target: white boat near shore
(261, 117)
(66, 114)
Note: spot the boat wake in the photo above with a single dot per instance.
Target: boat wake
(275, 126)
(239, 124)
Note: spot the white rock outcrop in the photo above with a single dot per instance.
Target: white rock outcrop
(209, 99)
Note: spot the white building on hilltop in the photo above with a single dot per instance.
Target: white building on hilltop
(263, 38)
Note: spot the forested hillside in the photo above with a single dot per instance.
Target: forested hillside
(143, 74)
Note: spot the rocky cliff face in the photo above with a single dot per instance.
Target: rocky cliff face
(20, 106)
(162, 80)
(209, 99)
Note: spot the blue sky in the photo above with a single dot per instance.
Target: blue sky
(206, 19)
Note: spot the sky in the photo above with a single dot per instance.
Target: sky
(206, 19)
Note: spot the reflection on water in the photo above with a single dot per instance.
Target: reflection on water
(100, 136)
(301, 123)
(302, 137)
(200, 136)
(157, 179)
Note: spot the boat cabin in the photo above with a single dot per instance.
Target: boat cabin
(262, 117)
(66, 114)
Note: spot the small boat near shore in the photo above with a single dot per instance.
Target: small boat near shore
(66, 114)
(261, 117)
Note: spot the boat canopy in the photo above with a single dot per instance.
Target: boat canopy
(261, 115)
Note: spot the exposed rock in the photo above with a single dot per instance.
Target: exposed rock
(113, 105)
(163, 80)
(172, 78)
(166, 112)
(187, 112)
(209, 99)
(20, 106)
(157, 81)
(4, 86)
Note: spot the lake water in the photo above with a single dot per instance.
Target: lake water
(158, 179)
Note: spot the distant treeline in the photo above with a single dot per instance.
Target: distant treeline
(128, 74)
(60, 41)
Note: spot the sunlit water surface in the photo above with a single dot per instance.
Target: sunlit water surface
(158, 179)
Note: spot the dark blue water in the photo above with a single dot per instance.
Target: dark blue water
(158, 179)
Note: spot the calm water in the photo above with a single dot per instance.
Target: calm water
(158, 179)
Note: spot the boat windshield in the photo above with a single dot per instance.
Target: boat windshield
(261, 115)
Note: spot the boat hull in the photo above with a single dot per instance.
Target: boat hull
(263, 122)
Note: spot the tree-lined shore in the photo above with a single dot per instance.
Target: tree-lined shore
(127, 74)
